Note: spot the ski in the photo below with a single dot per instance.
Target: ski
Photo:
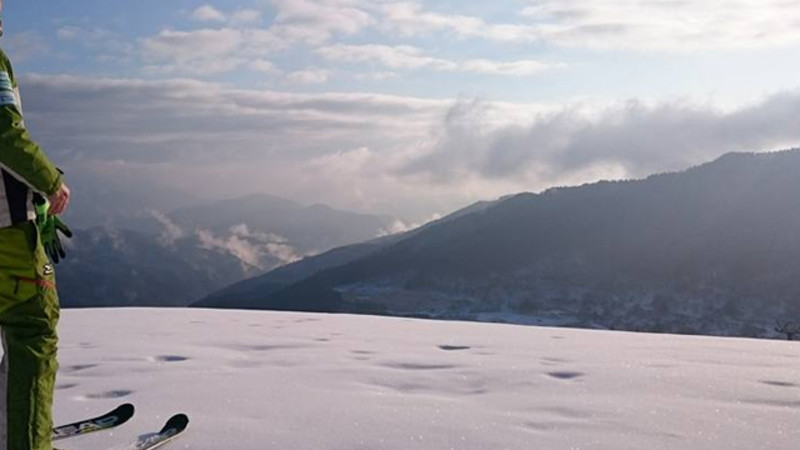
(111, 419)
(172, 429)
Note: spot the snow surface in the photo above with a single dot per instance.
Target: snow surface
(262, 380)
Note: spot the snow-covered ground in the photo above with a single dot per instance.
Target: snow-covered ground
(260, 380)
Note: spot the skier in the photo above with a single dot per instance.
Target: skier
(29, 307)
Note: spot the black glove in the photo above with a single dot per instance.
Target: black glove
(52, 245)
(49, 227)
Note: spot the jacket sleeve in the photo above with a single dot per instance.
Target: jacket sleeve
(19, 155)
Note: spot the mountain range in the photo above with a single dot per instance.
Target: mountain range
(713, 250)
(139, 256)
(246, 293)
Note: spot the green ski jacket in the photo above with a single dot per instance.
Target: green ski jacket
(24, 168)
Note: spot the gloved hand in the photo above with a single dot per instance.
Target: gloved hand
(49, 227)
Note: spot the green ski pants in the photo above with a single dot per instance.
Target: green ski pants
(29, 314)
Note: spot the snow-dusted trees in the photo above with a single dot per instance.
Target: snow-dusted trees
(790, 329)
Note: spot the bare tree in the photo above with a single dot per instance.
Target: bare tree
(790, 329)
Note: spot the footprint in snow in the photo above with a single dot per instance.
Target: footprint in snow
(168, 358)
(78, 368)
(554, 361)
(566, 413)
(362, 355)
(779, 383)
(269, 347)
(454, 348)
(119, 393)
(783, 404)
(418, 366)
(565, 375)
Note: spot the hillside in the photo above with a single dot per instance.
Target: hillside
(711, 250)
(148, 258)
(255, 380)
(308, 229)
(244, 293)
(118, 267)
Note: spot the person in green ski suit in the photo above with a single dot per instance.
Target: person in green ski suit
(29, 308)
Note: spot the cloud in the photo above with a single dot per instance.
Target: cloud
(169, 120)
(409, 19)
(208, 13)
(241, 16)
(216, 140)
(317, 21)
(399, 226)
(239, 43)
(396, 57)
(193, 45)
(343, 162)
(67, 33)
(409, 58)
(309, 76)
(26, 46)
(632, 139)
(513, 68)
(171, 233)
(200, 52)
(241, 249)
(370, 152)
(264, 66)
(666, 25)
(376, 76)
(271, 244)
(672, 25)
(209, 51)
(255, 250)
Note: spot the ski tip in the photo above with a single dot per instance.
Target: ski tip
(178, 423)
(126, 408)
(124, 413)
(107, 421)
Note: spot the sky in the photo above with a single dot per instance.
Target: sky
(410, 108)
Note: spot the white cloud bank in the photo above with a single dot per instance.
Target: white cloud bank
(309, 76)
(666, 25)
(231, 40)
(208, 13)
(630, 139)
(404, 57)
(238, 40)
(254, 249)
(374, 152)
(676, 25)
